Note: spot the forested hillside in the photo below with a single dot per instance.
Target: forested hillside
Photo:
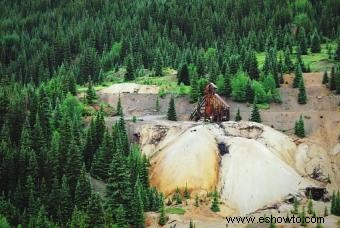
(51, 145)
(89, 36)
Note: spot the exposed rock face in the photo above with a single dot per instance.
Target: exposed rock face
(253, 176)
(192, 160)
(252, 165)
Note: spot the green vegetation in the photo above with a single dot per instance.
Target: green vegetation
(51, 141)
(162, 216)
(175, 210)
(299, 128)
(295, 206)
(172, 111)
(302, 96)
(335, 204)
(325, 78)
(197, 203)
(157, 106)
(215, 203)
(255, 114)
(317, 61)
(238, 115)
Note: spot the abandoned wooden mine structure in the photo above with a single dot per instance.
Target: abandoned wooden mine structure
(212, 107)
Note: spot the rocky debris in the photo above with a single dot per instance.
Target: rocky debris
(242, 129)
(252, 165)
(318, 175)
(127, 88)
(159, 132)
(317, 193)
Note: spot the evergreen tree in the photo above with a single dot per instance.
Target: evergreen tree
(302, 96)
(73, 168)
(183, 75)
(332, 81)
(250, 94)
(119, 109)
(99, 125)
(238, 115)
(337, 80)
(295, 206)
(302, 40)
(83, 190)
(44, 113)
(122, 136)
(158, 65)
(65, 203)
(41, 219)
(186, 192)
(104, 157)
(287, 61)
(337, 51)
(300, 128)
(315, 44)
(90, 94)
(143, 171)
(252, 67)
(325, 78)
(172, 111)
(162, 217)
(39, 144)
(130, 71)
(194, 93)
(299, 61)
(303, 217)
(177, 196)
(78, 219)
(120, 218)
(65, 141)
(298, 76)
(227, 85)
(310, 209)
(30, 197)
(215, 204)
(90, 146)
(333, 203)
(95, 211)
(118, 188)
(255, 114)
(72, 85)
(157, 106)
(138, 211)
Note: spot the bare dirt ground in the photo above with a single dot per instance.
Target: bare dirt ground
(321, 113)
(130, 88)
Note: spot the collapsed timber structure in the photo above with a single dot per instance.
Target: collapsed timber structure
(212, 107)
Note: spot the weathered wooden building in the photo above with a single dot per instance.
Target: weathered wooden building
(212, 107)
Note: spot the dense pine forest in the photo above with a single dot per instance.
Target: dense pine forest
(51, 147)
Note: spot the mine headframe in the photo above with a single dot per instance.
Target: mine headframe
(212, 107)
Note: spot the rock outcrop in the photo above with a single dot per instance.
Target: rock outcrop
(251, 165)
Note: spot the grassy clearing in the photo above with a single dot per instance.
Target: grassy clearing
(264, 106)
(167, 83)
(175, 210)
(317, 61)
